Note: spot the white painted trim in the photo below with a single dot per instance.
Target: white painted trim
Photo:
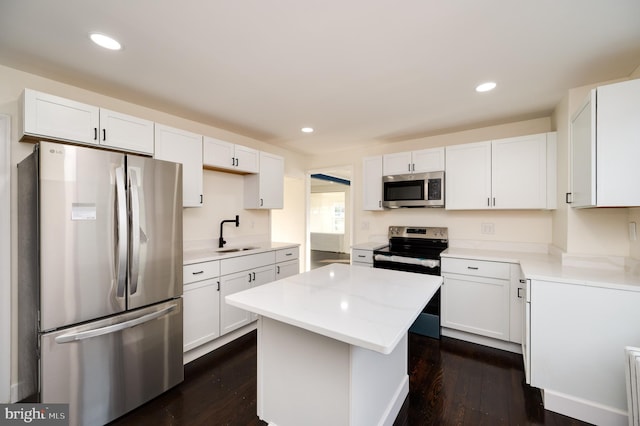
(582, 409)
(204, 349)
(5, 259)
(482, 340)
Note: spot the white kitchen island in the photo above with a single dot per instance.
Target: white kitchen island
(332, 344)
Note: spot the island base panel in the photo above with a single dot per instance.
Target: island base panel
(306, 378)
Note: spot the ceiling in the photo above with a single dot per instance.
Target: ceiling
(358, 71)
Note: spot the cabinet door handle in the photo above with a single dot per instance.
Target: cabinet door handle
(494, 201)
(380, 203)
(567, 198)
(409, 167)
(278, 270)
(200, 198)
(95, 133)
(104, 134)
(249, 276)
(523, 281)
(198, 273)
(488, 202)
(261, 202)
(218, 285)
(413, 167)
(254, 276)
(519, 295)
(475, 268)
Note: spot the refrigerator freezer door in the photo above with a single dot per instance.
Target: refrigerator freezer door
(109, 367)
(78, 234)
(155, 222)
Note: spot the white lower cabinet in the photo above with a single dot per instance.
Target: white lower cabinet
(578, 333)
(201, 303)
(477, 298)
(206, 314)
(232, 318)
(360, 257)
(287, 262)
(287, 269)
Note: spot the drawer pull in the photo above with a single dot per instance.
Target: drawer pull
(519, 295)
(288, 254)
(197, 273)
(475, 268)
(362, 255)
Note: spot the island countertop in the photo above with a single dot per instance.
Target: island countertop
(365, 307)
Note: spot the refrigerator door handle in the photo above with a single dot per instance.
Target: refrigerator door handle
(121, 223)
(82, 335)
(135, 232)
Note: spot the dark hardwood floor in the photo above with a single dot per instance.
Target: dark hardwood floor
(451, 383)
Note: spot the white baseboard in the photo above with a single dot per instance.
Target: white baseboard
(582, 409)
(391, 413)
(482, 340)
(204, 349)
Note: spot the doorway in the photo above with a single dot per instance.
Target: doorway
(329, 216)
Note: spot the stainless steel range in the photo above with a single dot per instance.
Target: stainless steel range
(416, 249)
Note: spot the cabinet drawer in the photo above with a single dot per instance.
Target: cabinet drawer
(364, 256)
(200, 271)
(287, 254)
(478, 268)
(242, 263)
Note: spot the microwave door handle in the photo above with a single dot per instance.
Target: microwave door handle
(135, 232)
(121, 226)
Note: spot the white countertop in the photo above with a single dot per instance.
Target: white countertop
(547, 267)
(209, 254)
(366, 307)
(371, 245)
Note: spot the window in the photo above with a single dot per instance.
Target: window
(327, 212)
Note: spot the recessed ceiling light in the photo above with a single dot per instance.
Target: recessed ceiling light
(307, 130)
(105, 41)
(485, 87)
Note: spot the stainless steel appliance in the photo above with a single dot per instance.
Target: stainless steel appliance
(413, 190)
(99, 279)
(416, 249)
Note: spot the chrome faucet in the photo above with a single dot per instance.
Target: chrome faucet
(221, 241)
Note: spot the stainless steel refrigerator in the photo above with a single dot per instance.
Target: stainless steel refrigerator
(99, 279)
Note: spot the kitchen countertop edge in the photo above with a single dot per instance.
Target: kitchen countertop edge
(549, 267)
(210, 254)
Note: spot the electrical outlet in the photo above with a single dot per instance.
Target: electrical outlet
(487, 228)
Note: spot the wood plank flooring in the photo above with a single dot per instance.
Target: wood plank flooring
(451, 383)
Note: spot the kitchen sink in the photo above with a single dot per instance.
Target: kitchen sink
(232, 250)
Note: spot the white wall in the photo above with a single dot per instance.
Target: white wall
(533, 226)
(289, 224)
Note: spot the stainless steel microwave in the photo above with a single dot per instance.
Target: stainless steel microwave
(413, 190)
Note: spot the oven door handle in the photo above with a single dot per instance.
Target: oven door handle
(428, 263)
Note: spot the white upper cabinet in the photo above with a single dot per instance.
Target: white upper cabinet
(224, 155)
(265, 190)
(182, 147)
(519, 172)
(372, 183)
(511, 173)
(422, 161)
(604, 147)
(468, 176)
(125, 132)
(52, 117)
